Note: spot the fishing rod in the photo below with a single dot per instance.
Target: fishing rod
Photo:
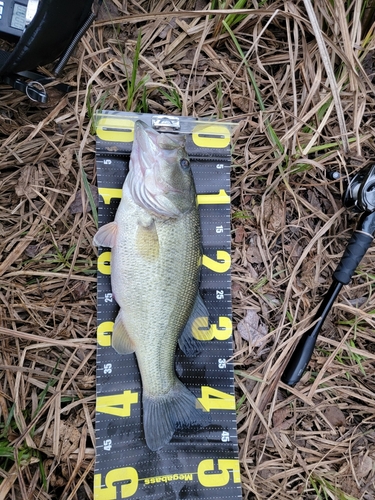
(359, 195)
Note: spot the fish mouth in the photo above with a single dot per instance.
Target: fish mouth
(152, 153)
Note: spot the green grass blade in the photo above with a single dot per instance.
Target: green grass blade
(89, 195)
(272, 134)
(232, 19)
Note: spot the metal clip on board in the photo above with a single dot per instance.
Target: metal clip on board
(360, 195)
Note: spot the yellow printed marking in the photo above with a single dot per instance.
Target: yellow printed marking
(104, 263)
(222, 331)
(221, 265)
(117, 404)
(114, 129)
(103, 333)
(210, 476)
(128, 476)
(211, 136)
(170, 477)
(108, 193)
(220, 198)
(213, 399)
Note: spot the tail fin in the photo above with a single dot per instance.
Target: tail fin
(163, 415)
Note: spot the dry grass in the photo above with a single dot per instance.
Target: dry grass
(289, 229)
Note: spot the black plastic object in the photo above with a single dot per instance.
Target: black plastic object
(360, 192)
(305, 347)
(52, 32)
(357, 247)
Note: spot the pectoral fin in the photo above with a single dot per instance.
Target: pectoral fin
(147, 240)
(121, 341)
(106, 235)
(198, 323)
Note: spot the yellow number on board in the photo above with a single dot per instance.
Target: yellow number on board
(117, 404)
(221, 331)
(213, 399)
(104, 263)
(102, 333)
(218, 476)
(128, 476)
(221, 265)
(108, 193)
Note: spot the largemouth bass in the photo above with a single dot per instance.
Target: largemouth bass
(155, 269)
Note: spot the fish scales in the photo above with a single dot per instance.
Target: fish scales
(160, 290)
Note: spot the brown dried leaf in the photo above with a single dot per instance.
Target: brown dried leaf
(279, 416)
(77, 206)
(253, 254)
(65, 161)
(29, 182)
(363, 465)
(252, 329)
(335, 416)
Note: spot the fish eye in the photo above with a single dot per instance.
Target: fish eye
(184, 163)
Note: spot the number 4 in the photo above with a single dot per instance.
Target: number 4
(117, 404)
(213, 399)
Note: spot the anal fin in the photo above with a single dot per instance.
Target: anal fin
(121, 341)
(198, 322)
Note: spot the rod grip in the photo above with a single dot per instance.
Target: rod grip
(299, 360)
(358, 245)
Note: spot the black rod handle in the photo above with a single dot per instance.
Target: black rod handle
(355, 250)
(305, 347)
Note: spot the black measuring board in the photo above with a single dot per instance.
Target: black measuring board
(199, 463)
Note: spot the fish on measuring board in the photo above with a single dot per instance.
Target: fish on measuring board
(155, 271)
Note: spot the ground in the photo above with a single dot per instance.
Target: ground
(264, 68)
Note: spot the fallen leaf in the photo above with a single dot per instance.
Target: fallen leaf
(252, 329)
(335, 416)
(362, 465)
(29, 182)
(77, 207)
(239, 234)
(253, 254)
(65, 161)
(279, 416)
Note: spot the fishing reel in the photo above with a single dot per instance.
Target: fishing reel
(360, 191)
(359, 195)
